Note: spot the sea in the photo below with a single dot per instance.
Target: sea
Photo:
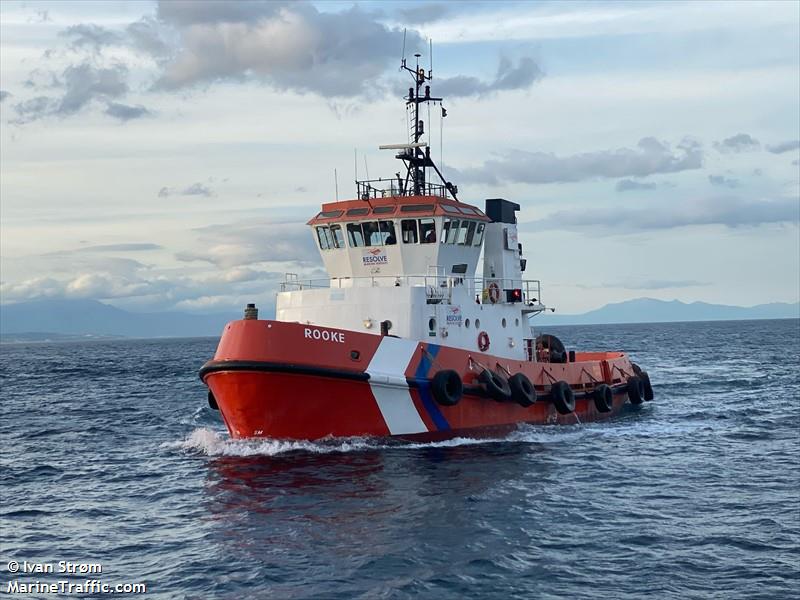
(111, 458)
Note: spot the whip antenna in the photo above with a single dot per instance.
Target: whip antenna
(403, 54)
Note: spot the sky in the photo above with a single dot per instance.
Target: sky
(166, 155)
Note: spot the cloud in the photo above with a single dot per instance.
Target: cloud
(250, 243)
(81, 85)
(722, 181)
(650, 156)
(290, 46)
(195, 12)
(196, 189)
(783, 147)
(509, 77)
(630, 185)
(4, 94)
(149, 36)
(741, 142)
(729, 211)
(423, 13)
(124, 112)
(128, 247)
(91, 36)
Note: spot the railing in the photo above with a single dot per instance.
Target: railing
(438, 287)
(370, 189)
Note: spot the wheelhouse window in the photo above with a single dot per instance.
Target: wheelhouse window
(470, 233)
(408, 229)
(324, 237)
(461, 234)
(479, 233)
(387, 233)
(354, 235)
(371, 233)
(450, 231)
(427, 231)
(337, 235)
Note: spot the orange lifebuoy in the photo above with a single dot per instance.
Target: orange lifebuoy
(494, 292)
(483, 341)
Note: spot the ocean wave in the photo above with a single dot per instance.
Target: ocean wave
(210, 442)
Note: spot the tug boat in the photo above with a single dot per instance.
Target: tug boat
(403, 339)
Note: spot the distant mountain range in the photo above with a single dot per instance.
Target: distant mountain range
(90, 319)
(649, 310)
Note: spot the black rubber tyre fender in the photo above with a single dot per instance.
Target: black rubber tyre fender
(563, 397)
(635, 389)
(447, 387)
(648, 388)
(212, 402)
(603, 398)
(522, 390)
(495, 385)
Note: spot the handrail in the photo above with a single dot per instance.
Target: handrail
(370, 189)
(437, 286)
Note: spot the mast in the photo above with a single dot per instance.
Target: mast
(417, 159)
(416, 155)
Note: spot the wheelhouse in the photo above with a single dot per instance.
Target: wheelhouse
(399, 236)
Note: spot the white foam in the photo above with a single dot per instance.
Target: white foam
(217, 443)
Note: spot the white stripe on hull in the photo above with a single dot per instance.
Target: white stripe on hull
(387, 379)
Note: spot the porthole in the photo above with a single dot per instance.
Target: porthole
(477, 323)
(503, 322)
(516, 322)
(432, 324)
(466, 323)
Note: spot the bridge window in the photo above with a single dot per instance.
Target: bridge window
(408, 229)
(337, 235)
(383, 210)
(387, 232)
(470, 233)
(450, 231)
(357, 212)
(461, 236)
(354, 235)
(479, 233)
(372, 236)
(427, 231)
(330, 237)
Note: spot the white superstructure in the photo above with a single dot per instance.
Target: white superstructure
(416, 269)
(404, 255)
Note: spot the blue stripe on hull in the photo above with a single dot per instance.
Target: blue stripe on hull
(421, 375)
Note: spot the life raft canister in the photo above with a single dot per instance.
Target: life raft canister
(447, 387)
(483, 341)
(563, 397)
(493, 292)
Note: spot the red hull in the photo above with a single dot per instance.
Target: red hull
(274, 379)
